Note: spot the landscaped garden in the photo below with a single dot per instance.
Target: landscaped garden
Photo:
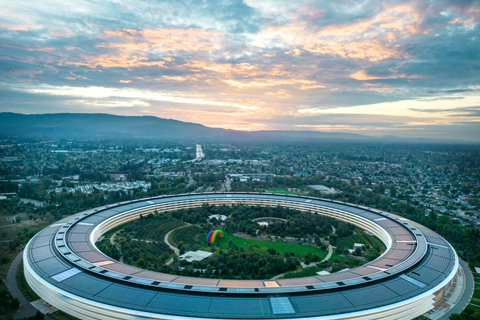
(288, 243)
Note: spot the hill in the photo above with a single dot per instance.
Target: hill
(107, 126)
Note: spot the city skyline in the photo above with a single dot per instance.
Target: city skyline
(404, 68)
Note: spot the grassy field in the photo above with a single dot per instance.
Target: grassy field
(476, 292)
(344, 243)
(281, 190)
(189, 235)
(22, 284)
(475, 302)
(352, 261)
(360, 237)
(281, 247)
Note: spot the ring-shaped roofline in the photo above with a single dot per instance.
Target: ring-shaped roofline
(410, 248)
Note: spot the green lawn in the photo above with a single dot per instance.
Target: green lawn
(22, 284)
(351, 260)
(281, 247)
(281, 190)
(344, 243)
(476, 292)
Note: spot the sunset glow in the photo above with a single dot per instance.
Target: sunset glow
(371, 67)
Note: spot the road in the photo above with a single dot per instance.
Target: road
(26, 309)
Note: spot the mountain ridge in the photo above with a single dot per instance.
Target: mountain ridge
(106, 126)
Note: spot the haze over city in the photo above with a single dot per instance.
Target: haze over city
(403, 68)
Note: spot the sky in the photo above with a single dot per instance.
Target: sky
(403, 68)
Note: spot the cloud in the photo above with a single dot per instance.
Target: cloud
(249, 64)
(106, 92)
(454, 112)
(362, 75)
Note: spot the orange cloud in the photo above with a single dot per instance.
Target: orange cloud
(363, 76)
(371, 39)
(129, 48)
(164, 40)
(117, 60)
(267, 82)
(253, 76)
(13, 27)
(225, 68)
(370, 50)
(177, 78)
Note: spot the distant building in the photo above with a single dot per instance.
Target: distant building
(36, 203)
(198, 255)
(9, 159)
(323, 189)
(119, 176)
(220, 217)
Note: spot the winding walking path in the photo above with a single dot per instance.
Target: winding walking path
(112, 241)
(175, 249)
(330, 252)
(26, 309)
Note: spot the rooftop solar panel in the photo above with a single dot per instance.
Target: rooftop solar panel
(81, 228)
(281, 305)
(412, 281)
(42, 253)
(175, 302)
(127, 295)
(368, 295)
(41, 241)
(66, 274)
(401, 286)
(319, 303)
(240, 306)
(86, 284)
(52, 266)
(425, 275)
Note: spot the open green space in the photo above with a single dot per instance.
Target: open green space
(23, 286)
(360, 237)
(344, 243)
(188, 238)
(352, 262)
(280, 190)
(304, 272)
(476, 292)
(281, 247)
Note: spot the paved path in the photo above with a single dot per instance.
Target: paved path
(177, 252)
(467, 293)
(330, 252)
(330, 247)
(26, 309)
(112, 241)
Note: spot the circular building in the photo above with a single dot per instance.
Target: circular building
(64, 267)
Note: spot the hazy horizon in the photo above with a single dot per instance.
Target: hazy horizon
(402, 68)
